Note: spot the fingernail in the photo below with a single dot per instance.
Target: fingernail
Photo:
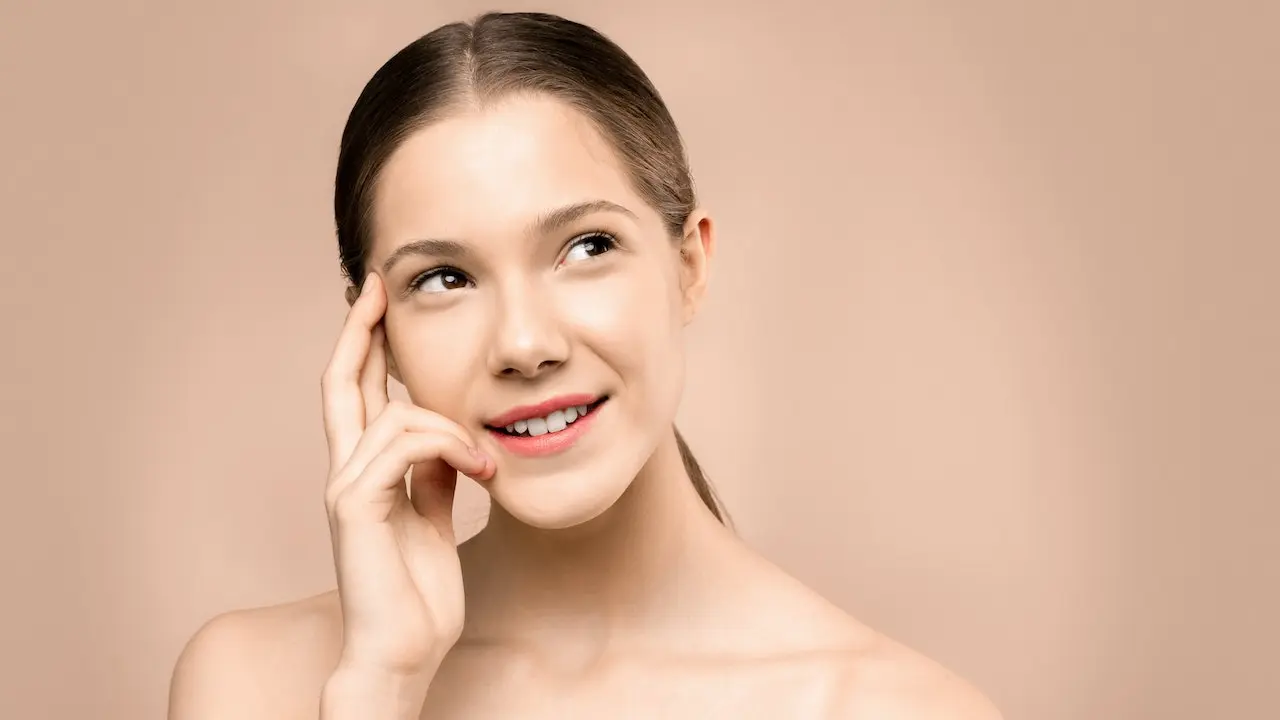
(368, 283)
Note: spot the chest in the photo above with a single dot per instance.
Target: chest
(799, 690)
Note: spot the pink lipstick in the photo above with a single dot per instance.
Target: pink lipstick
(546, 428)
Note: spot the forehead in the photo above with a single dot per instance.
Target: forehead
(490, 171)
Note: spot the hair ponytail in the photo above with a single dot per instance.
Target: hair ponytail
(699, 480)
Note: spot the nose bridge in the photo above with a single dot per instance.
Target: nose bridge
(529, 338)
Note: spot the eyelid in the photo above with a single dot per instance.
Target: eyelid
(415, 283)
(587, 235)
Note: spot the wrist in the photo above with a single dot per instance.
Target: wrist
(353, 692)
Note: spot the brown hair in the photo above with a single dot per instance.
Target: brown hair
(498, 55)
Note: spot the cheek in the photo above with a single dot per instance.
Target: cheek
(435, 353)
(631, 321)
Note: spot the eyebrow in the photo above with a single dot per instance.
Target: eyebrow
(545, 224)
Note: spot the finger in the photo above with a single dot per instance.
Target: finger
(373, 376)
(396, 419)
(343, 405)
(432, 493)
(375, 492)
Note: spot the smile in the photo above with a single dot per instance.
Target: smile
(553, 422)
(546, 428)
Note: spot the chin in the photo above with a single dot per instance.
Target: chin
(557, 501)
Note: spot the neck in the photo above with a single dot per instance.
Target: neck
(633, 572)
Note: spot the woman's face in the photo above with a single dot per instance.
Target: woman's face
(527, 282)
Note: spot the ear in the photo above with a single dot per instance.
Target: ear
(352, 294)
(697, 248)
(392, 370)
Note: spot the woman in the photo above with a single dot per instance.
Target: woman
(514, 202)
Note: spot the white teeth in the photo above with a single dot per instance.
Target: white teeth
(538, 426)
(555, 422)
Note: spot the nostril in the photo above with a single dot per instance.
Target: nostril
(530, 371)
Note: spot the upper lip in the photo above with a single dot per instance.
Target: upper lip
(542, 409)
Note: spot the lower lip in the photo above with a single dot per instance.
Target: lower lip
(547, 443)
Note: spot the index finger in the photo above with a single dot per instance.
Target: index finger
(343, 401)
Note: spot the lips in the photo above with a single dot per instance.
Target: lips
(542, 409)
(548, 428)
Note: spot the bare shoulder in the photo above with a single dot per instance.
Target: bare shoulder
(266, 662)
(865, 674)
(885, 679)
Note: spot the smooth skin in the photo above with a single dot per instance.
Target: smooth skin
(601, 586)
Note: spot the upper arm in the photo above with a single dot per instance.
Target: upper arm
(225, 672)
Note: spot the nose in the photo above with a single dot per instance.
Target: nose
(529, 338)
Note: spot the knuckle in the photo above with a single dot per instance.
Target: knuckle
(343, 508)
(388, 415)
(404, 444)
(417, 445)
(336, 512)
(331, 497)
(344, 501)
(329, 377)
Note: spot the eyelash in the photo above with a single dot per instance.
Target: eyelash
(608, 239)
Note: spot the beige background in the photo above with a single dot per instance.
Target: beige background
(990, 358)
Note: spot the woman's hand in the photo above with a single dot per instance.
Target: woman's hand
(399, 577)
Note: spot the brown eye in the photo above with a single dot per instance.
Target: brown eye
(441, 280)
(589, 246)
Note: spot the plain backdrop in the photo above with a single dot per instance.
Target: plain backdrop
(990, 356)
